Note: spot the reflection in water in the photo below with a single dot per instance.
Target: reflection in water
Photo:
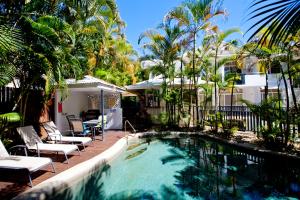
(209, 171)
(221, 172)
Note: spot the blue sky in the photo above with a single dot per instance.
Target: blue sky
(141, 15)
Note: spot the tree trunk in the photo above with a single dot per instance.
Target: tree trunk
(231, 102)
(287, 130)
(181, 81)
(291, 82)
(194, 79)
(269, 124)
(216, 122)
(267, 86)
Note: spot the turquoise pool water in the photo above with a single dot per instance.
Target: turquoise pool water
(189, 169)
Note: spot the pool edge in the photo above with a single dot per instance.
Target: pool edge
(76, 173)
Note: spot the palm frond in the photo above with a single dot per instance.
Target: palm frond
(10, 40)
(223, 35)
(280, 17)
(43, 31)
(7, 73)
(58, 25)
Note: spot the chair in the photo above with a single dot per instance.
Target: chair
(78, 128)
(34, 142)
(69, 117)
(30, 164)
(98, 128)
(55, 135)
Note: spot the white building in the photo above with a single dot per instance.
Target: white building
(251, 86)
(89, 94)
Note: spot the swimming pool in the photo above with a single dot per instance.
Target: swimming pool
(187, 168)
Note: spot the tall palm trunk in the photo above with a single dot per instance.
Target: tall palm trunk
(279, 105)
(181, 81)
(231, 100)
(191, 101)
(287, 129)
(291, 81)
(215, 73)
(268, 118)
(194, 79)
(204, 110)
(267, 83)
(180, 104)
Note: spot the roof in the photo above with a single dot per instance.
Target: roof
(156, 83)
(90, 81)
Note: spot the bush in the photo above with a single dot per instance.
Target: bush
(234, 123)
(272, 138)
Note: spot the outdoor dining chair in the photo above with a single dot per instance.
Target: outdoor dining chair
(33, 142)
(55, 135)
(78, 128)
(69, 117)
(29, 164)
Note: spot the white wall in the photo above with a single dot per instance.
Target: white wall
(255, 80)
(114, 118)
(73, 105)
(80, 101)
(252, 94)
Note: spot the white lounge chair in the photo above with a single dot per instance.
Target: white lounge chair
(30, 164)
(55, 135)
(34, 142)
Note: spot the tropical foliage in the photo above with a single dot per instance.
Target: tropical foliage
(281, 18)
(44, 42)
(187, 46)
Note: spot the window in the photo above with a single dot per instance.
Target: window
(231, 69)
(273, 93)
(152, 99)
(225, 98)
(275, 68)
(296, 81)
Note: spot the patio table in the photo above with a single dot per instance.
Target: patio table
(93, 124)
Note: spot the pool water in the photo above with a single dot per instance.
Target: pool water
(190, 168)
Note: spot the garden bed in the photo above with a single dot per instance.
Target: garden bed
(247, 141)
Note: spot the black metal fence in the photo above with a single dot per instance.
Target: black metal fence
(6, 95)
(249, 120)
(241, 115)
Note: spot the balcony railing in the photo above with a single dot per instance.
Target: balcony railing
(241, 81)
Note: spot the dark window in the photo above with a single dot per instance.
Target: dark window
(152, 99)
(275, 68)
(230, 70)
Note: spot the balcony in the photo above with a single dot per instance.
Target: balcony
(255, 79)
(237, 82)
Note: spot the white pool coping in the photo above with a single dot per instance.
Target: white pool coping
(77, 173)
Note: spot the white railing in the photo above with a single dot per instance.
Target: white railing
(128, 123)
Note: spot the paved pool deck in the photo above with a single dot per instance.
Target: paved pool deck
(11, 184)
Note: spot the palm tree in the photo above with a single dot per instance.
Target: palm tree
(10, 42)
(281, 18)
(218, 41)
(194, 16)
(164, 50)
(46, 58)
(234, 77)
(290, 49)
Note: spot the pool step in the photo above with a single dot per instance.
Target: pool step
(135, 146)
(135, 154)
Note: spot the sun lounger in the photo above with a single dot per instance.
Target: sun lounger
(30, 164)
(34, 142)
(55, 135)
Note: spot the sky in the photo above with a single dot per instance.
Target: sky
(141, 15)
